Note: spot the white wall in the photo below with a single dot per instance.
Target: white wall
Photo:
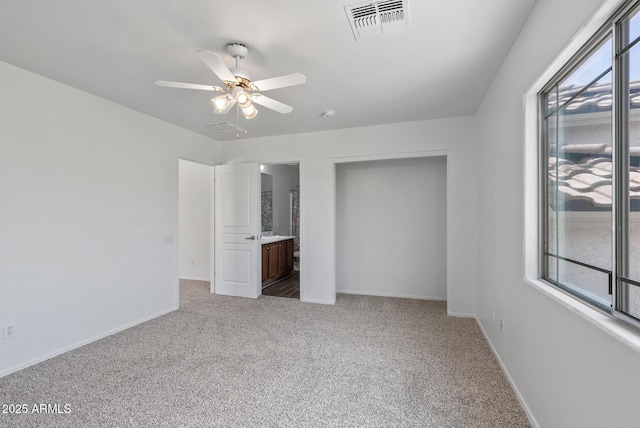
(285, 178)
(318, 153)
(195, 220)
(391, 228)
(569, 370)
(88, 215)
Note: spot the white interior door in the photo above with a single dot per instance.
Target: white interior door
(237, 230)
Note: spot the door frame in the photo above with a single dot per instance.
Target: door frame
(299, 161)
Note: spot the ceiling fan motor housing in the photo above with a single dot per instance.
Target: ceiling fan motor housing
(242, 77)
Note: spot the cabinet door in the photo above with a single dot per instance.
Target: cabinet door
(282, 258)
(289, 255)
(273, 260)
(265, 263)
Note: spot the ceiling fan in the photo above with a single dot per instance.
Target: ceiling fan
(239, 88)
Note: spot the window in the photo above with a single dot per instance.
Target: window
(590, 151)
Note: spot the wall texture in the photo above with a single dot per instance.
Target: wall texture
(195, 221)
(318, 154)
(391, 228)
(88, 218)
(568, 370)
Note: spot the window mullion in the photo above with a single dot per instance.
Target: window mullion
(556, 189)
(543, 183)
(618, 136)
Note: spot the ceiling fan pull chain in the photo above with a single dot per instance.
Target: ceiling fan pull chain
(237, 114)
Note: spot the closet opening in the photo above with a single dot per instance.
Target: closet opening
(391, 227)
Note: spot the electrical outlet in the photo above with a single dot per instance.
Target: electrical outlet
(501, 325)
(8, 331)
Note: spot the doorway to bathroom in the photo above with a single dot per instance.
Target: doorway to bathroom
(280, 230)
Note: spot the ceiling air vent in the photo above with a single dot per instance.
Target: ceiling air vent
(229, 127)
(378, 17)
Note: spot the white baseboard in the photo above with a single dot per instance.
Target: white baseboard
(195, 279)
(319, 302)
(81, 343)
(527, 410)
(461, 315)
(401, 296)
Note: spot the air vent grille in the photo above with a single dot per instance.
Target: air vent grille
(377, 18)
(363, 11)
(225, 126)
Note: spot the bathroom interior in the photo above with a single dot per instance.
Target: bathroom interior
(280, 231)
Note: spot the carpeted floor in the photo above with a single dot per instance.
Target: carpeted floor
(222, 361)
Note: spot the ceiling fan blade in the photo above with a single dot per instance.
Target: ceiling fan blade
(181, 85)
(271, 103)
(217, 65)
(280, 82)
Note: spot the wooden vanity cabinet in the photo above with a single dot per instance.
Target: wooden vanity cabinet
(273, 260)
(277, 261)
(289, 255)
(265, 262)
(282, 258)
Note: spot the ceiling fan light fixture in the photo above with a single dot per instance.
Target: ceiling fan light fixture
(221, 104)
(249, 111)
(243, 99)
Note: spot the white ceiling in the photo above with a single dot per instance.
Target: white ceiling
(117, 49)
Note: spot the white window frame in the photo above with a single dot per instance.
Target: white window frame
(615, 323)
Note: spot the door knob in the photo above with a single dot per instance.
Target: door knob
(253, 238)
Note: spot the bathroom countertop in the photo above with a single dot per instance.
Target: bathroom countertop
(276, 238)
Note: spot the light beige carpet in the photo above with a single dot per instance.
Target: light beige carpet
(275, 362)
